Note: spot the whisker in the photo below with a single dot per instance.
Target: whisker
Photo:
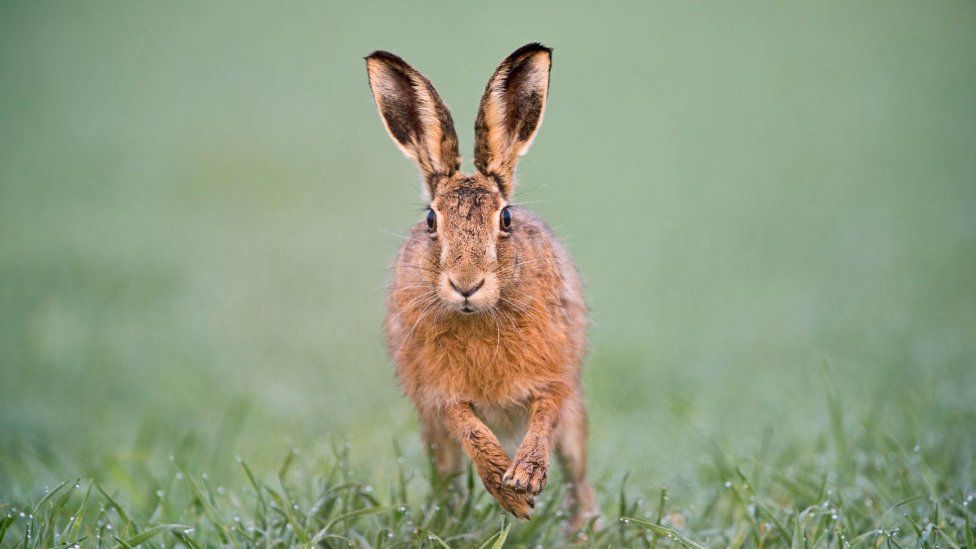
(518, 330)
(533, 313)
(418, 267)
(397, 289)
(413, 303)
(498, 332)
(427, 308)
(417, 300)
(391, 233)
(525, 262)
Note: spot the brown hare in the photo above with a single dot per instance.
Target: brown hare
(486, 318)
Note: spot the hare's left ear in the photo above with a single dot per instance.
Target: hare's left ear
(511, 113)
(414, 115)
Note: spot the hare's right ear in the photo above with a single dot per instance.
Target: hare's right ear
(414, 115)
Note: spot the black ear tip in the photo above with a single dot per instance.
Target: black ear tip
(382, 55)
(528, 49)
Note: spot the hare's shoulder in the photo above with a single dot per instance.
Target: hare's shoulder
(539, 244)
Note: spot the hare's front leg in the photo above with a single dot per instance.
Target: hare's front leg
(488, 457)
(530, 468)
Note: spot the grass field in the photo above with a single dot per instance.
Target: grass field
(772, 206)
(855, 485)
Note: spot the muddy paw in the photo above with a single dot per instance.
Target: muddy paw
(527, 474)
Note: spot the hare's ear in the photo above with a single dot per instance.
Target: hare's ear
(414, 115)
(511, 112)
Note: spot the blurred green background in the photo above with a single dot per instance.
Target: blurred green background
(198, 207)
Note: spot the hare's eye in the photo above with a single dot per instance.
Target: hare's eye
(505, 219)
(431, 220)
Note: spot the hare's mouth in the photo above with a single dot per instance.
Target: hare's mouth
(467, 298)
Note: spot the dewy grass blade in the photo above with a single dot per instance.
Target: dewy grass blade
(500, 542)
(668, 533)
(490, 539)
(5, 523)
(261, 511)
(225, 533)
(74, 524)
(186, 540)
(285, 506)
(434, 537)
(150, 533)
(357, 513)
(127, 523)
(48, 496)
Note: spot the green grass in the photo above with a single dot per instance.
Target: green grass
(857, 485)
(198, 206)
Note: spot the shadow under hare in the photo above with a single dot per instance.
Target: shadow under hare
(486, 319)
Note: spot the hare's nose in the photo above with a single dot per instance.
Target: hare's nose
(467, 292)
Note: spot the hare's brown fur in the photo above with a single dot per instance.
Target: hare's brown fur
(486, 323)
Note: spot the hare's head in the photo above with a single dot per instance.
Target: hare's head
(469, 258)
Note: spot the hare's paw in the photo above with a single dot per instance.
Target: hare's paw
(519, 504)
(528, 473)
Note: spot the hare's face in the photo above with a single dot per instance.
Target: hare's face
(468, 227)
(470, 259)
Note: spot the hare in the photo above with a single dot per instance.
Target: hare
(486, 319)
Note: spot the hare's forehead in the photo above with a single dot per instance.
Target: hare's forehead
(472, 201)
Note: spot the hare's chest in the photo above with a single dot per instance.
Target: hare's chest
(493, 382)
(494, 372)
(489, 364)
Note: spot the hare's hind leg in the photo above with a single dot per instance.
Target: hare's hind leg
(444, 450)
(571, 452)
